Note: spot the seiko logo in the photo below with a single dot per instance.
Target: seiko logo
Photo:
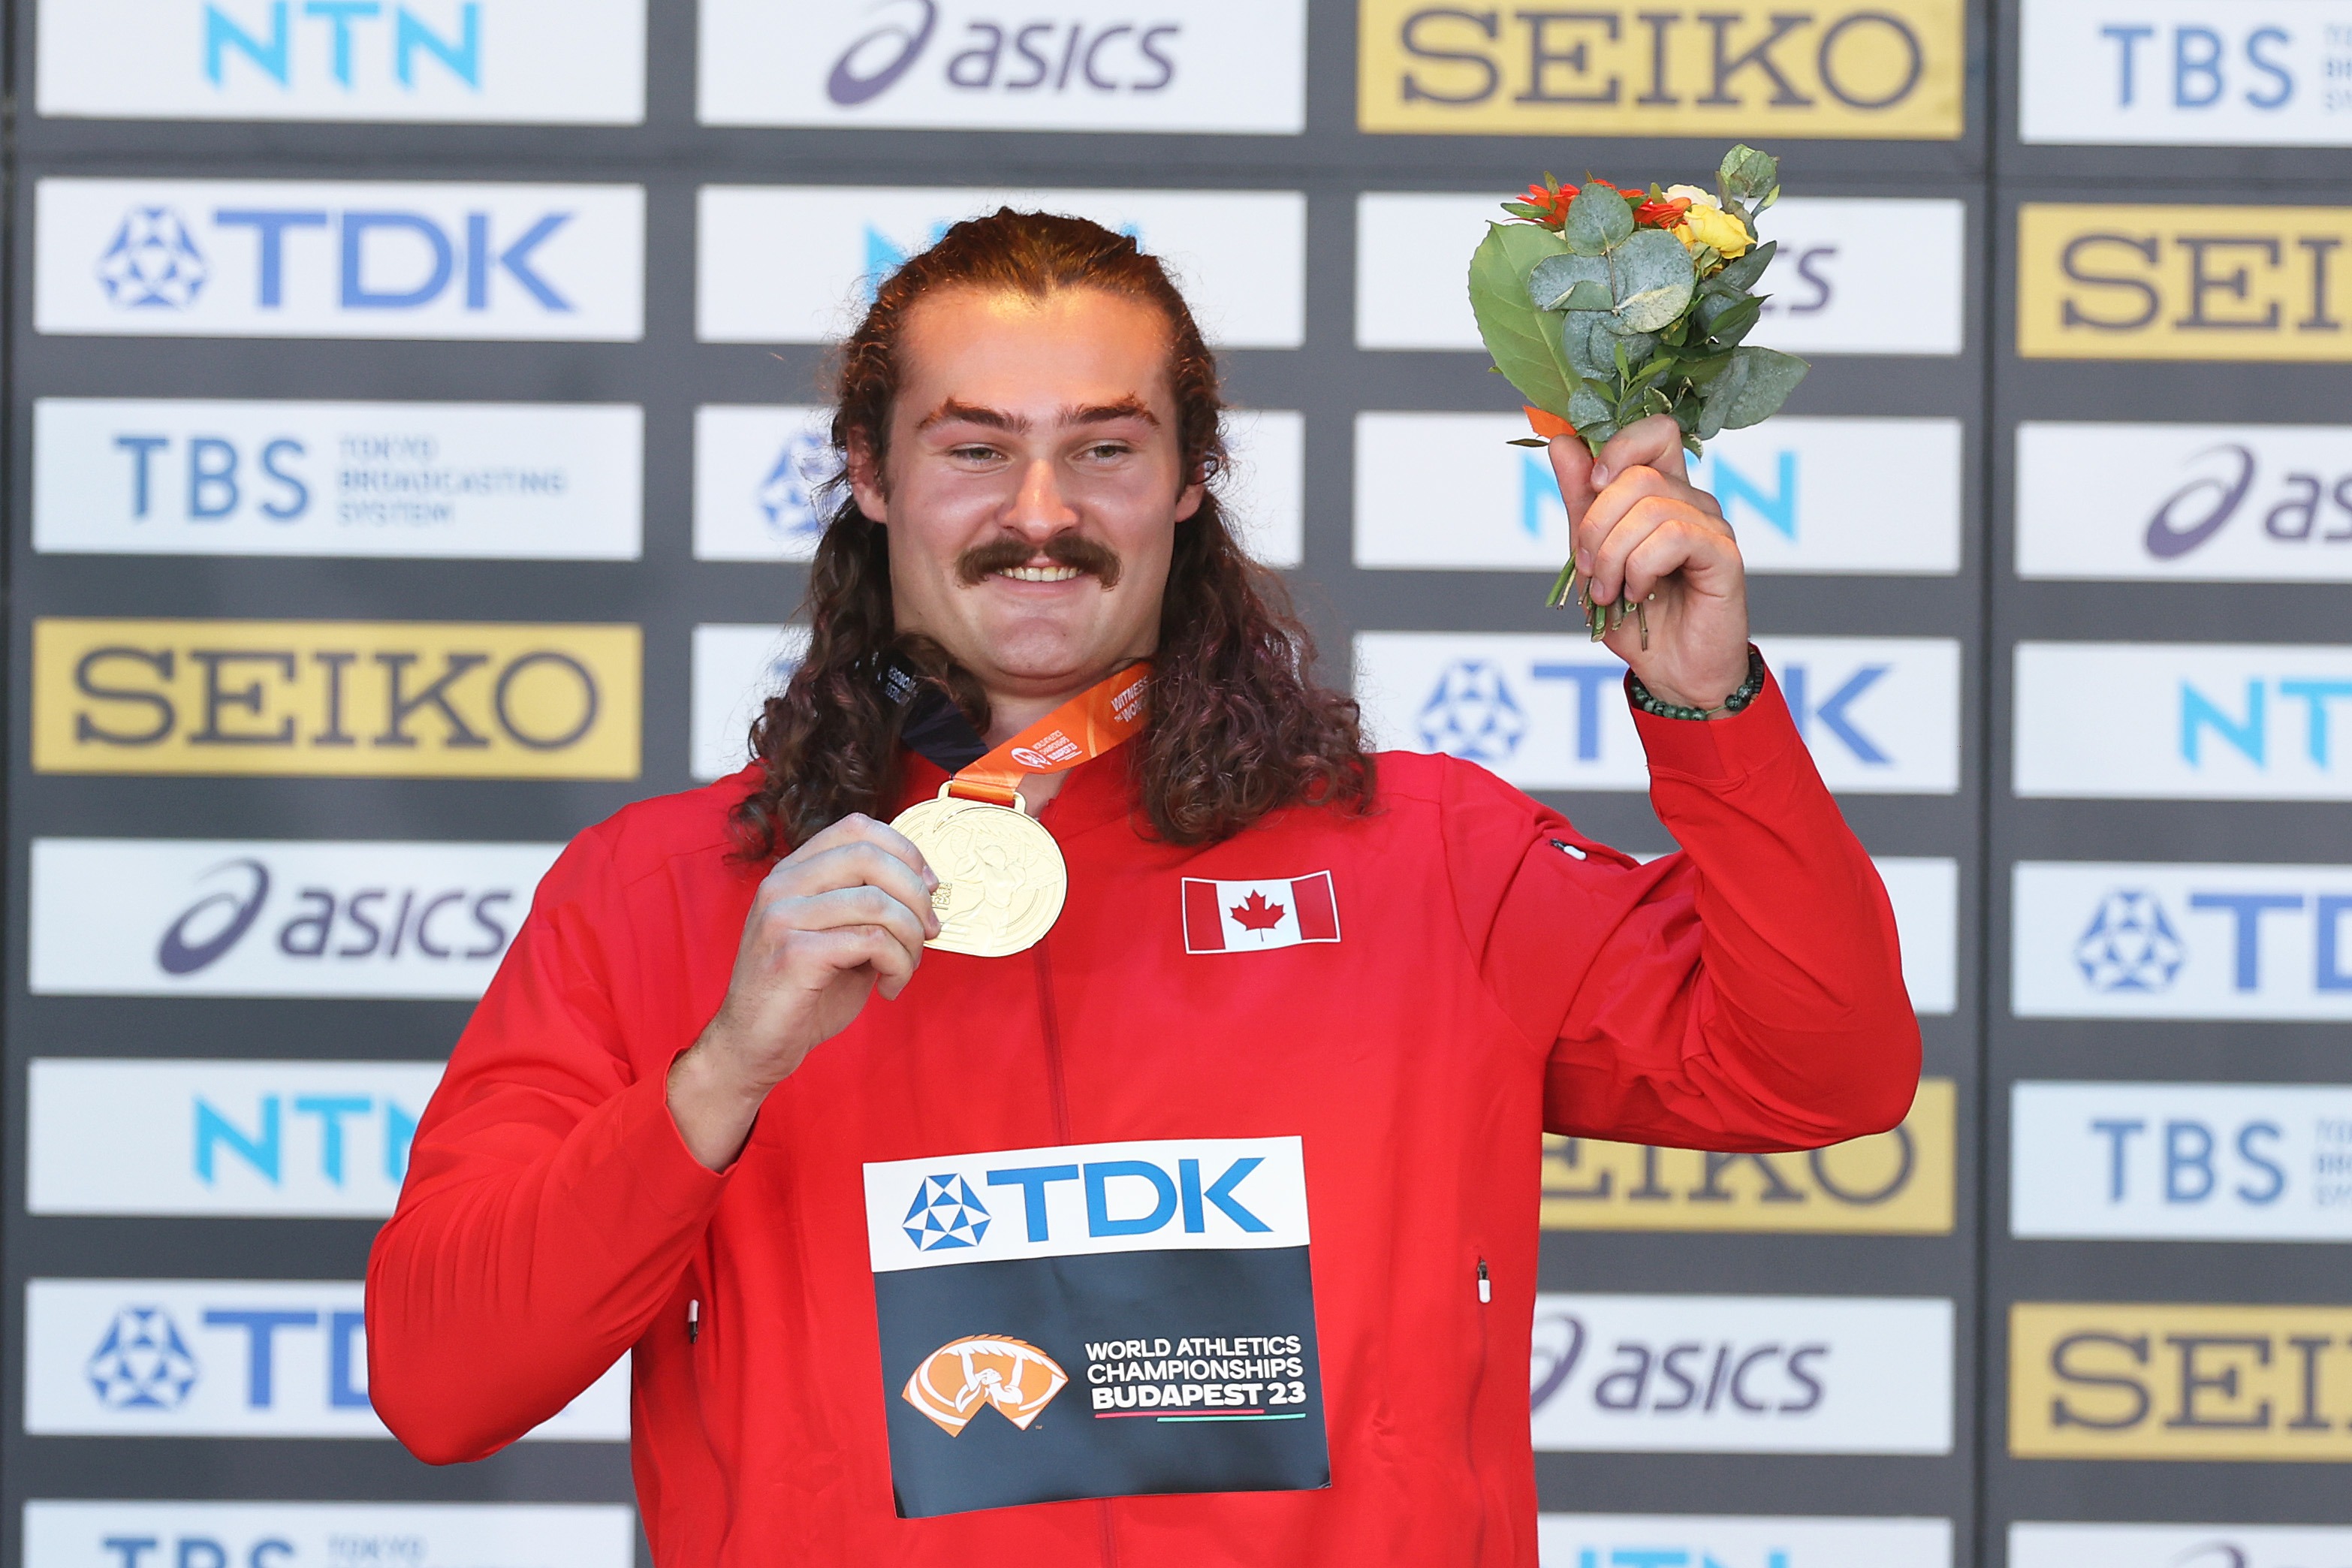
(2205, 283)
(2179, 1382)
(1892, 66)
(336, 697)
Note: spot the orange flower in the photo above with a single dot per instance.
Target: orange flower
(1662, 215)
(1553, 204)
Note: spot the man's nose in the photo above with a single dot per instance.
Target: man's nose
(1039, 508)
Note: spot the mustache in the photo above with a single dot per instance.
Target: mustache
(1065, 549)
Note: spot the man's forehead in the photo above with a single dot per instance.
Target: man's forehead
(1078, 356)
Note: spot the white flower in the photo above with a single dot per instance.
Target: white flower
(1698, 198)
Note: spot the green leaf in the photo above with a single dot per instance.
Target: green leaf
(1588, 295)
(1700, 372)
(1738, 277)
(1752, 390)
(1598, 221)
(1652, 277)
(1523, 341)
(1747, 174)
(1625, 371)
(1524, 441)
(1555, 278)
(1521, 209)
(1586, 342)
(1729, 319)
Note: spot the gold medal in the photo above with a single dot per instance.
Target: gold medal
(1001, 879)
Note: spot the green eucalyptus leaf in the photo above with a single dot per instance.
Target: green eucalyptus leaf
(1590, 342)
(1588, 295)
(1738, 277)
(1555, 277)
(1701, 372)
(1587, 407)
(1523, 341)
(1733, 320)
(1653, 280)
(1752, 390)
(1747, 174)
(1599, 221)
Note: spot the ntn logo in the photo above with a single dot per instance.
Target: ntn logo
(2244, 723)
(438, 924)
(1693, 1377)
(343, 32)
(1026, 54)
(1543, 514)
(263, 1147)
(377, 258)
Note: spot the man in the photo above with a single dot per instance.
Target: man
(1203, 1229)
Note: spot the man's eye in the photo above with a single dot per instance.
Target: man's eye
(971, 454)
(1108, 449)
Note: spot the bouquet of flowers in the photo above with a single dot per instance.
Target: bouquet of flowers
(1604, 306)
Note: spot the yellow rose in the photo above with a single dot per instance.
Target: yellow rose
(1693, 195)
(1713, 225)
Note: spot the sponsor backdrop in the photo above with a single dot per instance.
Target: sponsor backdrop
(413, 453)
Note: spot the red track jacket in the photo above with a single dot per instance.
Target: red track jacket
(1493, 975)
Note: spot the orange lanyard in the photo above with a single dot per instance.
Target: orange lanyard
(1080, 731)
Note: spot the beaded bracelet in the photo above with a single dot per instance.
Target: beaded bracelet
(1748, 688)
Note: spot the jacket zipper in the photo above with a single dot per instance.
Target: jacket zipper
(1470, 1432)
(1058, 1091)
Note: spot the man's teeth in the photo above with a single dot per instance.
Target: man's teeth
(1041, 574)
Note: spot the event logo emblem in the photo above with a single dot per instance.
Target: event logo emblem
(177, 953)
(787, 497)
(2130, 945)
(153, 261)
(142, 1363)
(965, 1376)
(946, 1213)
(1471, 714)
(863, 73)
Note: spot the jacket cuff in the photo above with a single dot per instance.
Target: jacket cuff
(641, 1164)
(1729, 747)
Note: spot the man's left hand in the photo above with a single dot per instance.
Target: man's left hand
(1639, 527)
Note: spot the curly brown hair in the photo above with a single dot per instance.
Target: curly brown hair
(1237, 727)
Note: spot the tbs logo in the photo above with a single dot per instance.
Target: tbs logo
(1019, 55)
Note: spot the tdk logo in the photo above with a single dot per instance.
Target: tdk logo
(358, 34)
(788, 495)
(152, 262)
(385, 259)
(2097, 939)
(142, 1362)
(339, 259)
(1560, 722)
(1123, 1198)
(1013, 54)
(2130, 945)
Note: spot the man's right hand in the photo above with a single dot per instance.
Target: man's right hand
(843, 914)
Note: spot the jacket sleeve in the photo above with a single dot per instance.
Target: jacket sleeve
(1743, 995)
(550, 1205)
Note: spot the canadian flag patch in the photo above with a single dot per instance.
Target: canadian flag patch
(1246, 917)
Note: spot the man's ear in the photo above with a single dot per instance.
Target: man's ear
(865, 479)
(1188, 500)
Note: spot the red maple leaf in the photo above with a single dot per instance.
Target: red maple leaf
(1257, 914)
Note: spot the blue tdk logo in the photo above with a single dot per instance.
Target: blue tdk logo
(1183, 1191)
(946, 1213)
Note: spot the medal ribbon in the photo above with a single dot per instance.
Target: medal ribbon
(1095, 722)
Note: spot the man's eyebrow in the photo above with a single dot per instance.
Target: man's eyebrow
(970, 414)
(1129, 407)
